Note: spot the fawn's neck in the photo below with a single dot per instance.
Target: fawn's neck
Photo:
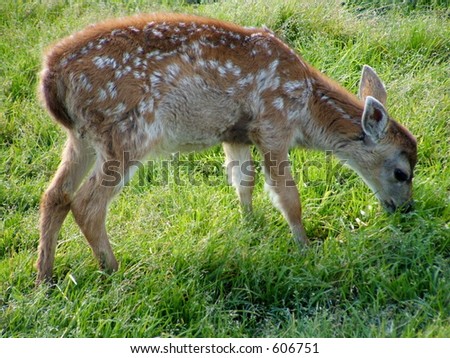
(334, 116)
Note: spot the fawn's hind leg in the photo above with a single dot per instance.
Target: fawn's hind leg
(55, 204)
(89, 207)
(241, 172)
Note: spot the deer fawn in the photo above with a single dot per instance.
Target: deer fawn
(162, 83)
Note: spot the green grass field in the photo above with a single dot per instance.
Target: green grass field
(190, 265)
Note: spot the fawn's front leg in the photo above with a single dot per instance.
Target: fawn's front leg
(283, 192)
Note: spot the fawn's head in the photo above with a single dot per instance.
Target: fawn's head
(387, 151)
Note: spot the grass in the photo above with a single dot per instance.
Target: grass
(191, 266)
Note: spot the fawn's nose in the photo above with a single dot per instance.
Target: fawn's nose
(407, 207)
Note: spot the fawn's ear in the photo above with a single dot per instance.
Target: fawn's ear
(375, 119)
(371, 85)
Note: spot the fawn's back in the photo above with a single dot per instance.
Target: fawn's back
(169, 83)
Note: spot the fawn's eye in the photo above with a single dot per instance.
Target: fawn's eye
(400, 175)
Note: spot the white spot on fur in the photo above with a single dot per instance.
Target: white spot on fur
(118, 74)
(278, 103)
(138, 75)
(231, 67)
(222, 71)
(273, 66)
(196, 47)
(231, 91)
(80, 82)
(292, 86)
(164, 26)
(155, 80)
(146, 105)
(102, 95)
(152, 54)
(247, 80)
(266, 80)
(112, 90)
(133, 29)
(102, 62)
(185, 57)
(85, 83)
(324, 98)
(126, 57)
(137, 62)
(201, 63)
(214, 64)
(173, 70)
(235, 36)
(117, 32)
(256, 102)
(158, 33)
(119, 109)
